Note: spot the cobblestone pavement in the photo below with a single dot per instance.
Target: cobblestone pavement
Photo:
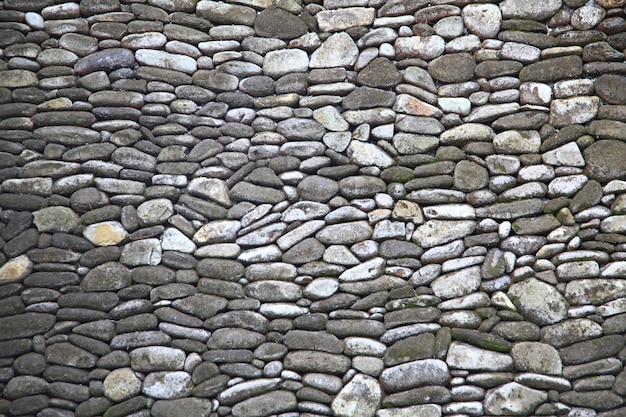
(348, 208)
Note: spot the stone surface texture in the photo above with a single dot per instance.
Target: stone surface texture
(304, 208)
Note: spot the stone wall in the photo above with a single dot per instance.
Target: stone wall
(354, 208)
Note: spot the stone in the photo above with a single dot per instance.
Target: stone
(274, 22)
(537, 358)
(414, 374)
(513, 399)
(167, 385)
(538, 301)
(110, 276)
(576, 110)
(534, 10)
(107, 233)
(452, 68)
(266, 404)
(552, 69)
(379, 73)
(341, 19)
(422, 47)
(339, 50)
(285, 61)
(16, 269)
(438, 232)
(603, 160)
(225, 14)
(482, 19)
(567, 155)
(192, 407)
(67, 354)
(468, 357)
(121, 384)
(366, 154)
(469, 176)
(457, 284)
(360, 397)
(610, 87)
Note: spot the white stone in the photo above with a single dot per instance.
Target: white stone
(575, 110)
(535, 93)
(467, 43)
(513, 399)
(282, 310)
(363, 346)
(218, 231)
(616, 269)
(331, 119)
(538, 302)
(360, 397)
(467, 132)
(587, 16)
(174, 239)
(366, 154)
(142, 252)
(437, 232)
(263, 254)
(167, 385)
(567, 185)
(612, 308)
(536, 173)
(341, 255)
(482, 19)
(471, 358)
(521, 52)
(146, 40)
(211, 188)
(367, 270)
(339, 50)
(565, 155)
(299, 233)
(458, 105)
(530, 9)
(414, 374)
(285, 61)
(321, 288)
(337, 141)
(471, 301)
(517, 142)
(233, 394)
(406, 103)
(341, 19)
(457, 283)
(155, 211)
(167, 60)
(449, 27)
(572, 88)
(108, 233)
(450, 212)
(423, 47)
(262, 236)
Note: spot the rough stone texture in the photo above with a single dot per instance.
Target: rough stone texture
(371, 208)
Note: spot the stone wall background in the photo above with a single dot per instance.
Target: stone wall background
(338, 207)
